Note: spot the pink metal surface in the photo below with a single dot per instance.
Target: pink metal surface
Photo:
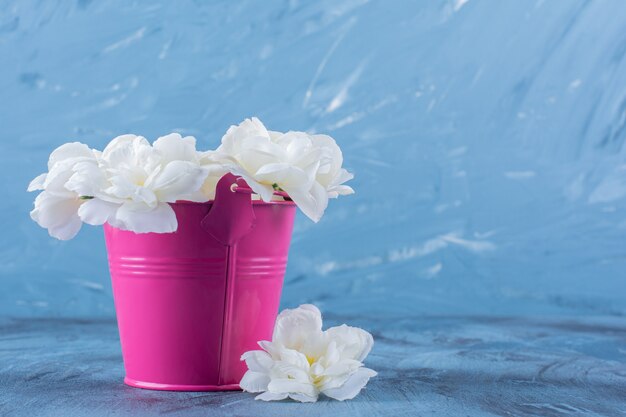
(189, 303)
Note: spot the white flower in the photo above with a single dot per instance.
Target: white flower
(303, 361)
(135, 182)
(307, 167)
(56, 208)
(331, 175)
(174, 147)
(131, 184)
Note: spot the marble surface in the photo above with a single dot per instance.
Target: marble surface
(428, 366)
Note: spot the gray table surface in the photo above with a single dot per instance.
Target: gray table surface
(442, 366)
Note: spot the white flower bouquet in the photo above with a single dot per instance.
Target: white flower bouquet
(130, 184)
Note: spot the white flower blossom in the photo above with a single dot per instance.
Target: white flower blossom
(136, 181)
(302, 361)
(307, 167)
(56, 207)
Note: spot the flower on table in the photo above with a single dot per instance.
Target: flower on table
(302, 361)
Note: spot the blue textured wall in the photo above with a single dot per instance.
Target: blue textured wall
(487, 139)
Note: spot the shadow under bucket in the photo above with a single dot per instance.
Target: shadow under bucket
(189, 303)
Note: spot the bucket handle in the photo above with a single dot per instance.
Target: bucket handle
(231, 216)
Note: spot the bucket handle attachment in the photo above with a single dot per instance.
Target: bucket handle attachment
(247, 190)
(231, 216)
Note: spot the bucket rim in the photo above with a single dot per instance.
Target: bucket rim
(254, 202)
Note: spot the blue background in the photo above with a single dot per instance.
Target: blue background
(487, 139)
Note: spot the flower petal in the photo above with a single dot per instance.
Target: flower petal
(345, 366)
(248, 128)
(178, 180)
(122, 190)
(58, 214)
(298, 372)
(210, 183)
(285, 175)
(293, 357)
(140, 219)
(69, 151)
(59, 175)
(303, 398)
(354, 343)
(352, 386)
(254, 381)
(271, 396)
(97, 212)
(255, 153)
(87, 179)
(285, 385)
(66, 230)
(295, 327)
(174, 147)
(313, 202)
(257, 360)
(333, 158)
(130, 151)
(37, 183)
(338, 190)
(270, 348)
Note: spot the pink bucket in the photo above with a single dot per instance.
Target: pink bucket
(189, 303)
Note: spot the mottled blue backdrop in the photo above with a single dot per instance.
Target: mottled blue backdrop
(487, 139)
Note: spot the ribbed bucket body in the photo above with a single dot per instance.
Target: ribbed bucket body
(189, 303)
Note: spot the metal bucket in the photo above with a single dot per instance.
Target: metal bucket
(189, 303)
